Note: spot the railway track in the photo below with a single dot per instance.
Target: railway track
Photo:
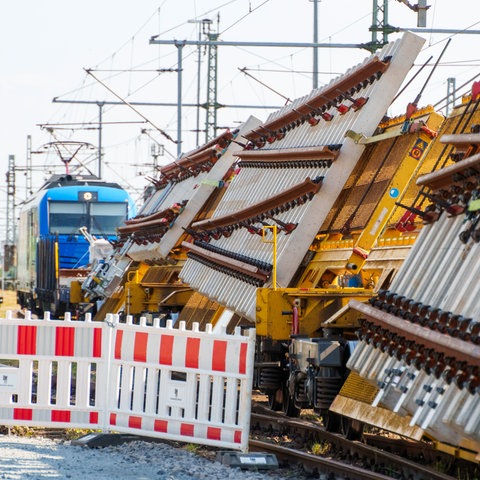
(340, 458)
(316, 464)
(297, 441)
(376, 457)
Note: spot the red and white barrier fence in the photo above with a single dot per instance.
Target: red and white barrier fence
(175, 384)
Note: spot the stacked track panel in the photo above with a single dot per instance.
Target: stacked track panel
(420, 339)
(176, 198)
(290, 175)
(183, 188)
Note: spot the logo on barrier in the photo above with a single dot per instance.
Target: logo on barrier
(177, 396)
(8, 379)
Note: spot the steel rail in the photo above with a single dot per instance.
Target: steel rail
(325, 96)
(322, 464)
(289, 195)
(230, 263)
(310, 430)
(443, 178)
(322, 152)
(450, 346)
(185, 163)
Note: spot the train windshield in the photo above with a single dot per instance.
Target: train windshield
(99, 218)
(106, 217)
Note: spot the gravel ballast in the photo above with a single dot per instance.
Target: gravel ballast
(39, 458)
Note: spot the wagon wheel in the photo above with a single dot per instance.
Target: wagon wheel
(288, 404)
(352, 428)
(275, 400)
(332, 422)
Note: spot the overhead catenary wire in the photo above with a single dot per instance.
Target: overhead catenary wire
(56, 125)
(274, 70)
(165, 134)
(235, 5)
(243, 70)
(456, 90)
(130, 38)
(464, 30)
(412, 79)
(250, 11)
(204, 14)
(417, 99)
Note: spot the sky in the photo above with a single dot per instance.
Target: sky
(82, 53)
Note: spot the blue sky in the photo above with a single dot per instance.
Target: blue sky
(46, 46)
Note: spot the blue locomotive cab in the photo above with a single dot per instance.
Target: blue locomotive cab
(53, 251)
(100, 211)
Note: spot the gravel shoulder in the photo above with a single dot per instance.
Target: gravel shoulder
(39, 458)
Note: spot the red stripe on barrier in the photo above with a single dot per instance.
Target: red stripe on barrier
(237, 436)
(22, 413)
(135, 422)
(118, 344)
(219, 355)
(97, 342)
(64, 341)
(160, 426)
(140, 347)
(113, 419)
(242, 364)
(187, 429)
(94, 417)
(166, 350)
(61, 416)
(214, 433)
(191, 353)
(27, 340)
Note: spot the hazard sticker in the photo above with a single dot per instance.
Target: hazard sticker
(417, 151)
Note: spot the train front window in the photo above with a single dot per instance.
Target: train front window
(106, 217)
(67, 217)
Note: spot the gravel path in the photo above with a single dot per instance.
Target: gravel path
(39, 458)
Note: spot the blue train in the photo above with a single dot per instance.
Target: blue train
(53, 255)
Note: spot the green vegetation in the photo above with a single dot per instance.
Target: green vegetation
(320, 449)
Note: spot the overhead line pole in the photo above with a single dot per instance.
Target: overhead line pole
(28, 173)
(211, 105)
(315, 40)
(179, 99)
(100, 129)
